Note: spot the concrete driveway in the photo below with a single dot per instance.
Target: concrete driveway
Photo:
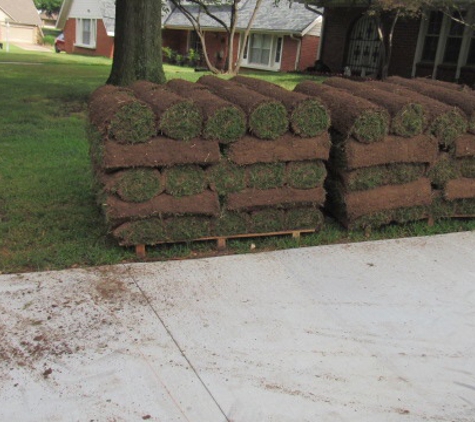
(377, 331)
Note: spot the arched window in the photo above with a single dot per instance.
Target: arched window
(364, 48)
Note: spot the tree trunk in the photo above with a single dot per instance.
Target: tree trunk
(138, 43)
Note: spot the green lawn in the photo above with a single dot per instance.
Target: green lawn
(48, 216)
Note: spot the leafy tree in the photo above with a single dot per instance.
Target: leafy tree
(209, 8)
(138, 43)
(48, 6)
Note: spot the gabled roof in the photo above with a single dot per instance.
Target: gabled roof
(21, 11)
(294, 19)
(289, 18)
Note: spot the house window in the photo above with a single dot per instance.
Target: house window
(86, 32)
(278, 50)
(260, 48)
(454, 41)
(432, 36)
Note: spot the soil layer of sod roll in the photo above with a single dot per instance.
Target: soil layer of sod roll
(223, 121)
(307, 115)
(348, 206)
(118, 212)
(120, 116)
(251, 150)
(445, 122)
(350, 115)
(159, 151)
(407, 116)
(177, 117)
(389, 174)
(462, 188)
(267, 118)
(462, 100)
(465, 146)
(350, 154)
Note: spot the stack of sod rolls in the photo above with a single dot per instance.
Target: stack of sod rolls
(379, 159)
(272, 179)
(453, 173)
(185, 161)
(152, 187)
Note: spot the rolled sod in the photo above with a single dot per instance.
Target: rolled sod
(399, 216)
(118, 211)
(348, 206)
(251, 150)
(443, 208)
(447, 85)
(230, 223)
(443, 170)
(120, 116)
(305, 174)
(307, 115)
(226, 177)
(350, 154)
(445, 122)
(177, 117)
(138, 185)
(407, 116)
(350, 115)
(462, 188)
(267, 221)
(142, 232)
(188, 228)
(466, 167)
(254, 199)
(223, 121)
(304, 218)
(462, 100)
(185, 180)
(390, 174)
(265, 176)
(267, 118)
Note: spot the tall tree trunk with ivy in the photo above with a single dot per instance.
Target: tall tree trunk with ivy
(138, 43)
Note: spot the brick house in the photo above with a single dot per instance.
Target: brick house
(434, 46)
(19, 22)
(282, 38)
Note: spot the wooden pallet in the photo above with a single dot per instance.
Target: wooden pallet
(141, 252)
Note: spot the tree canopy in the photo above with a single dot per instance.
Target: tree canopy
(48, 6)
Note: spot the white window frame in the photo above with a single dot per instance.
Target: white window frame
(273, 54)
(443, 36)
(80, 33)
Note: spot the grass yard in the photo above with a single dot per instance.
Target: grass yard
(48, 216)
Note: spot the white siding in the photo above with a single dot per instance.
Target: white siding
(88, 9)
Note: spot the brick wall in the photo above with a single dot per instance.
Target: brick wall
(289, 54)
(309, 50)
(104, 43)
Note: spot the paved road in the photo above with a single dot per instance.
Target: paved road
(377, 331)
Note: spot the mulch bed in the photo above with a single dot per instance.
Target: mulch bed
(267, 118)
(223, 121)
(307, 115)
(407, 116)
(350, 115)
(251, 150)
(119, 115)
